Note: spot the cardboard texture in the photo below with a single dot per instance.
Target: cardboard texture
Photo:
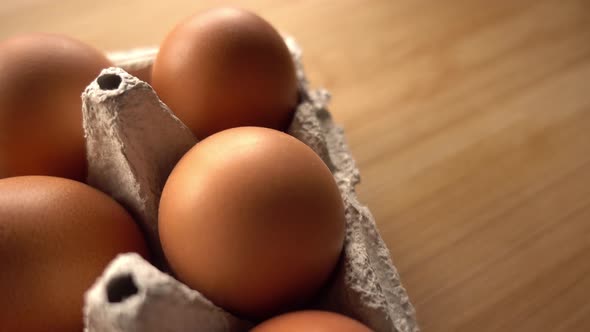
(134, 141)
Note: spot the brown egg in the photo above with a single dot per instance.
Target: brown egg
(41, 79)
(311, 321)
(56, 237)
(226, 68)
(252, 218)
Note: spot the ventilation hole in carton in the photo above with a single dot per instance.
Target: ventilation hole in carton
(120, 288)
(109, 81)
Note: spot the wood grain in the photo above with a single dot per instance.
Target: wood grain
(470, 121)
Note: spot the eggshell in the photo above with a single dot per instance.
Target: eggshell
(56, 237)
(311, 321)
(41, 79)
(226, 68)
(252, 218)
(366, 285)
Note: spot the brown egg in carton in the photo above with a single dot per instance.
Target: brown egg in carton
(133, 142)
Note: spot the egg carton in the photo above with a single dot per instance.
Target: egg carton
(133, 142)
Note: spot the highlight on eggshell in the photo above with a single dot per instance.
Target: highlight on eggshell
(41, 79)
(56, 237)
(226, 68)
(311, 320)
(252, 218)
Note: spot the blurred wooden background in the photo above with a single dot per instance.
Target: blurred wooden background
(470, 121)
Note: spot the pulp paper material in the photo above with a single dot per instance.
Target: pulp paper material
(133, 143)
(150, 301)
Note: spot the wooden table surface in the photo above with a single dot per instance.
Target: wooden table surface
(469, 120)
